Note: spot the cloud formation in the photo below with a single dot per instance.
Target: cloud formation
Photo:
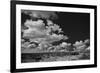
(37, 31)
(41, 14)
(65, 44)
(78, 43)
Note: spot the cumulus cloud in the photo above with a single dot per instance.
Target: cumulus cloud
(81, 47)
(78, 43)
(53, 28)
(37, 31)
(49, 22)
(55, 37)
(35, 24)
(65, 44)
(41, 14)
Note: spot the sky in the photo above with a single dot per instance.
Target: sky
(75, 25)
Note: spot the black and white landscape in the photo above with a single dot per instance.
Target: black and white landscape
(48, 36)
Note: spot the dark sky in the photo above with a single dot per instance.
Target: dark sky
(75, 25)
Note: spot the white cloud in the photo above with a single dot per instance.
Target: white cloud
(49, 22)
(78, 43)
(53, 28)
(65, 44)
(81, 47)
(37, 31)
(35, 24)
